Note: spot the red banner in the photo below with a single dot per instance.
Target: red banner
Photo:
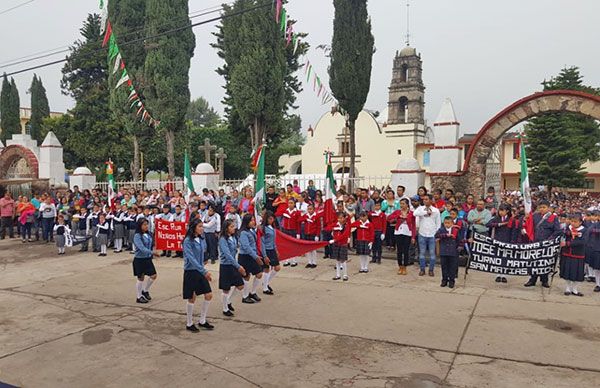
(169, 236)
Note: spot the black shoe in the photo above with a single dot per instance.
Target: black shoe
(294, 265)
(255, 297)
(230, 307)
(591, 279)
(504, 280)
(597, 289)
(270, 289)
(577, 294)
(529, 284)
(345, 278)
(567, 293)
(336, 278)
(169, 254)
(326, 257)
(118, 251)
(206, 325)
(378, 261)
(286, 264)
(146, 295)
(498, 279)
(451, 284)
(248, 300)
(228, 313)
(374, 261)
(268, 292)
(192, 328)
(314, 266)
(213, 261)
(141, 300)
(545, 285)
(161, 255)
(308, 266)
(444, 283)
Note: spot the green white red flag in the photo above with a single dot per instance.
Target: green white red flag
(111, 184)
(187, 179)
(258, 165)
(525, 189)
(330, 192)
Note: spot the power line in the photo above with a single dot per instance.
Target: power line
(64, 49)
(16, 6)
(174, 30)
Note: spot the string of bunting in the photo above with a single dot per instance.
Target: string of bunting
(117, 63)
(287, 29)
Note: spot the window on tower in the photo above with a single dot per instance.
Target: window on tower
(404, 73)
(403, 109)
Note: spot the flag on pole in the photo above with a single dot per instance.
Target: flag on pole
(258, 165)
(330, 192)
(111, 184)
(187, 179)
(525, 189)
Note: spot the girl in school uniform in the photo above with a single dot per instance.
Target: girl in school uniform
(269, 252)
(119, 226)
(502, 229)
(143, 266)
(364, 239)
(312, 230)
(250, 259)
(339, 246)
(573, 255)
(60, 230)
(102, 230)
(291, 226)
(231, 273)
(195, 277)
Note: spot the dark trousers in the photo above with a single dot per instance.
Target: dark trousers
(212, 245)
(26, 231)
(47, 228)
(377, 246)
(449, 267)
(544, 278)
(390, 239)
(6, 224)
(402, 249)
(326, 236)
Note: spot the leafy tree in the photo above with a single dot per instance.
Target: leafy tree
(352, 50)
(39, 107)
(167, 67)
(259, 72)
(201, 114)
(560, 143)
(91, 136)
(9, 109)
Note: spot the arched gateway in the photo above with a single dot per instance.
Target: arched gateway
(472, 178)
(18, 162)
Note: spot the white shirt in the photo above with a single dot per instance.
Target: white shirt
(428, 224)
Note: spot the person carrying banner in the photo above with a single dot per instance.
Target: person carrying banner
(142, 261)
(268, 246)
(231, 273)
(502, 229)
(448, 239)
(195, 277)
(573, 255)
(546, 227)
(250, 259)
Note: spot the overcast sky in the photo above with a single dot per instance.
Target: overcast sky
(484, 55)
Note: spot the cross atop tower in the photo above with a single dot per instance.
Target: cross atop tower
(408, 22)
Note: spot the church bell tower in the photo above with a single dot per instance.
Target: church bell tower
(407, 93)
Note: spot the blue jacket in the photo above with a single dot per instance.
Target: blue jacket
(448, 241)
(228, 251)
(193, 254)
(143, 246)
(248, 243)
(502, 233)
(267, 241)
(546, 229)
(593, 241)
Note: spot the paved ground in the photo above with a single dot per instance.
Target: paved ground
(71, 321)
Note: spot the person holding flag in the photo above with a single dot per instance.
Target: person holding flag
(329, 215)
(188, 184)
(111, 185)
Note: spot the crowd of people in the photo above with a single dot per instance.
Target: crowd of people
(428, 227)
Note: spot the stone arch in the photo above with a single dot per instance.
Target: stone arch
(472, 178)
(14, 153)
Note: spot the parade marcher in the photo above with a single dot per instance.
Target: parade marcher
(593, 252)
(502, 229)
(119, 228)
(378, 219)
(250, 259)
(573, 255)
(60, 230)
(312, 232)
(102, 230)
(231, 273)
(269, 252)
(142, 261)
(290, 225)
(448, 237)
(339, 245)
(195, 277)
(365, 233)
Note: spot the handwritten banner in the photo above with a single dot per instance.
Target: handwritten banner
(489, 255)
(169, 235)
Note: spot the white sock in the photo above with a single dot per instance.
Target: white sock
(597, 275)
(569, 288)
(204, 311)
(139, 287)
(103, 249)
(246, 290)
(189, 312)
(338, 268)
(313, 257)
(575, 291)
(118, 244)
(232, 291)
(345, 268)
(363, 262)
(589, 270)
(255, 284)
(266, 279)
(225, 301)
(294, 260)
(148, 284)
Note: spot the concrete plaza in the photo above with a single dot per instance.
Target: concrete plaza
(72, 321)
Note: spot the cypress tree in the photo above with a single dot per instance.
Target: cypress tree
(39, 108)
(352, 50)
(4, 108)
(167, 68)
(10, 109)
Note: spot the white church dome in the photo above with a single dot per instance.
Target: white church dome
(408, 164)
(82, 171)
(205, 168)
(408, 51)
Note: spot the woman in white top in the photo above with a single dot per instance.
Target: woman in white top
(48, 213)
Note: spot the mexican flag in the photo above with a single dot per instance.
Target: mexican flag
(111, 184)
(187, 179)
(525, 189)
(258, 165)
(329, 217)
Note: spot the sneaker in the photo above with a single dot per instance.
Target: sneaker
(230, 307)
(268, 292)
(141, 300)
(255, 297)
(498, 279)
(206, 325)
(286, 264)
(248, 300)
(146, 295)
(192, 328)
(336, 278)
(345, 278)
(228, 313)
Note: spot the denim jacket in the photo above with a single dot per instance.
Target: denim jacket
(193, 254)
